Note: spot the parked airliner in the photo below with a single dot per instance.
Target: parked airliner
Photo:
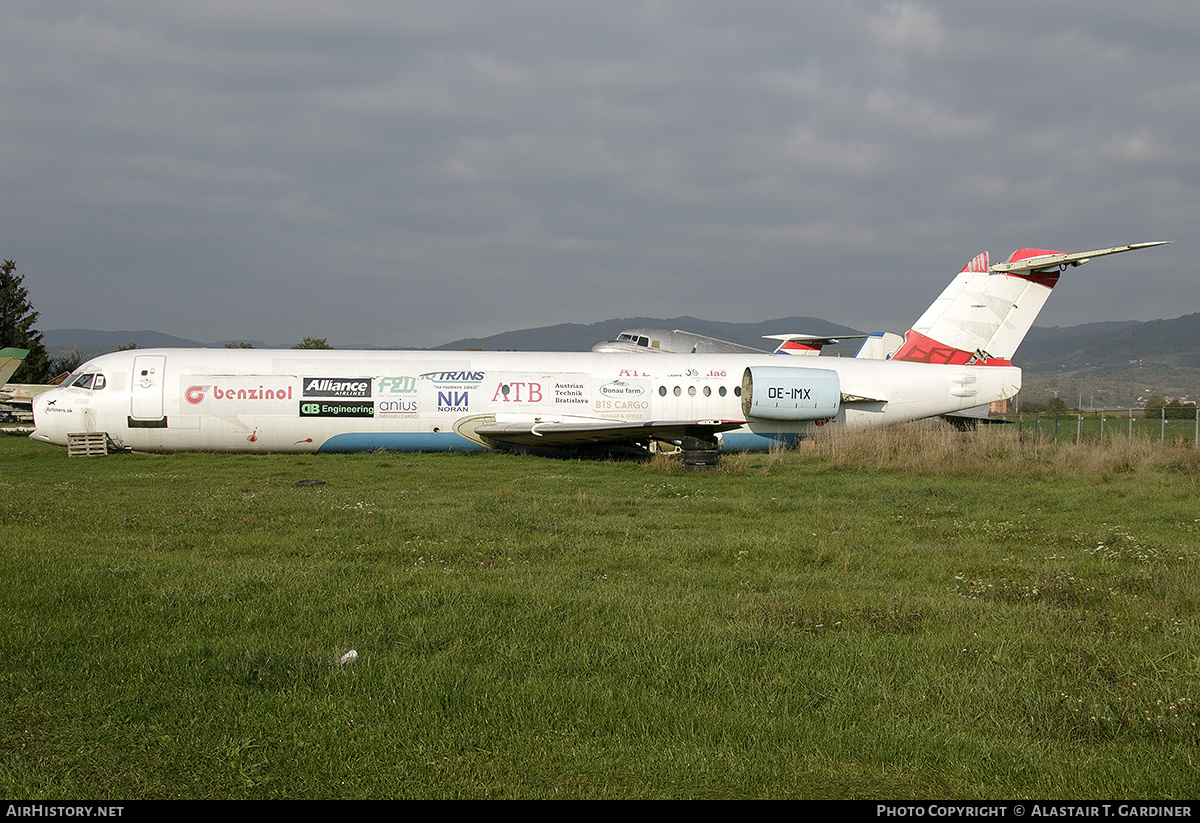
(957, 356)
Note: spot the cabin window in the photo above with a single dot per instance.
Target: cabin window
(691, 391)
(662, 391)
(721, 391)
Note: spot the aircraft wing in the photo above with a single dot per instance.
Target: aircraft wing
(583, 433)
(1047, 262)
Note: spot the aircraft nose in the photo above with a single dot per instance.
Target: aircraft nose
(45, 426)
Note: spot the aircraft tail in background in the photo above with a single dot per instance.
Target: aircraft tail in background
(10, 360)
(984, 314)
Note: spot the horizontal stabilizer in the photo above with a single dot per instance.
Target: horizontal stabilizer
(807, 343)
(981, 317)
(1049, 262)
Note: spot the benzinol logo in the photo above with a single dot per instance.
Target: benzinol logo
(196, 394)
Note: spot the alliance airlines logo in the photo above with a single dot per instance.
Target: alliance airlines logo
(337, 387)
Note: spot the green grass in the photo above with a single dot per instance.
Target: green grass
(1111, 426)
(912, 615)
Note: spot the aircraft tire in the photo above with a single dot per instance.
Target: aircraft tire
(699, 459)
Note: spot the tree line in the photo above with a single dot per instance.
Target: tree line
(1156, 406)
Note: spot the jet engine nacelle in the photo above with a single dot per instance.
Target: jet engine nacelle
(786, 393)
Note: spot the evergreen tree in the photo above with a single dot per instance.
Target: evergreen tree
(313, 343)
(16, 327)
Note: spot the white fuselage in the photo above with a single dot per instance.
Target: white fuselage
(336, 400)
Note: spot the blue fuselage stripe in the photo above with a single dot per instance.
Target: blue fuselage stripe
(398, 441)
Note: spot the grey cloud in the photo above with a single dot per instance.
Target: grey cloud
(407, 174)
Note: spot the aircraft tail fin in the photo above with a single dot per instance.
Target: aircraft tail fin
(10, 359)
(986, 311)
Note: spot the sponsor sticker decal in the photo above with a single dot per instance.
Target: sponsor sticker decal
(337, 387)
(619, 388)
(453, 401)
(336, 408)
(518, 392)
(397, 385)
(197, 394)
(464, 379)
(570, 393)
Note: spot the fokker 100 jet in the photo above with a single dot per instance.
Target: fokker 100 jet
(956, 357)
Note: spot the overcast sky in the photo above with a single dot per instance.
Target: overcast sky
(410, 173)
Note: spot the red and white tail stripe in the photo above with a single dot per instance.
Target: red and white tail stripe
(982, 316)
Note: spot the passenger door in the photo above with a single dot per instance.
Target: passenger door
(147, 395)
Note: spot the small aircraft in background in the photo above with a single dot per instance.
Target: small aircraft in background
(16, 399)
(10, 361)
(677, 341)
(956, 357)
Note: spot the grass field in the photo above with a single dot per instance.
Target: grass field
(912, 614)
(1128, 425)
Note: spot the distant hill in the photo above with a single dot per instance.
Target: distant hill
(61, 343)
(1114, 343)
(113, 339)
(1040, 334)
(580, 337)
(1114, 365)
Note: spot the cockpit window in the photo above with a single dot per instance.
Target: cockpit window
(87, 381)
